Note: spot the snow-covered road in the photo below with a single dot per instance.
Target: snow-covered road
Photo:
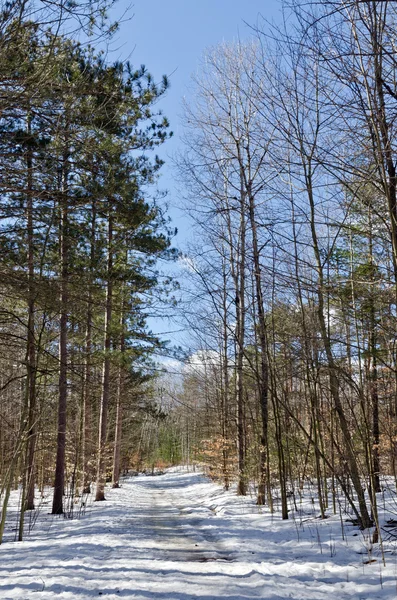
(180, 537)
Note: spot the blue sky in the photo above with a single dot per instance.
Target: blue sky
(169, 37)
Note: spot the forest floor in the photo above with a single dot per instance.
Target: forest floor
(179, 536)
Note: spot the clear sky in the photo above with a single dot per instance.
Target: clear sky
(169, 37)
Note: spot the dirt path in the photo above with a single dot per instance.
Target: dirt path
(184, 533)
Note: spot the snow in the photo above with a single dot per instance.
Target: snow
(179, 536)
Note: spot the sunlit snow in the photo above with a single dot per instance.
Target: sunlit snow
(179, 536)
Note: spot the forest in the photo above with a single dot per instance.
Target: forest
(287, 289)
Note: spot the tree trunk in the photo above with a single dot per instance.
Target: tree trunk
(103, 414)
(240, 341)
(332, 367)
(31, 343)
(59, 484)
(119, 405)
(87, 449)
(263, 376)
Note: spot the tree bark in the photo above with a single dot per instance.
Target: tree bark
(59, 484)
(119, 404)
(103, 414)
